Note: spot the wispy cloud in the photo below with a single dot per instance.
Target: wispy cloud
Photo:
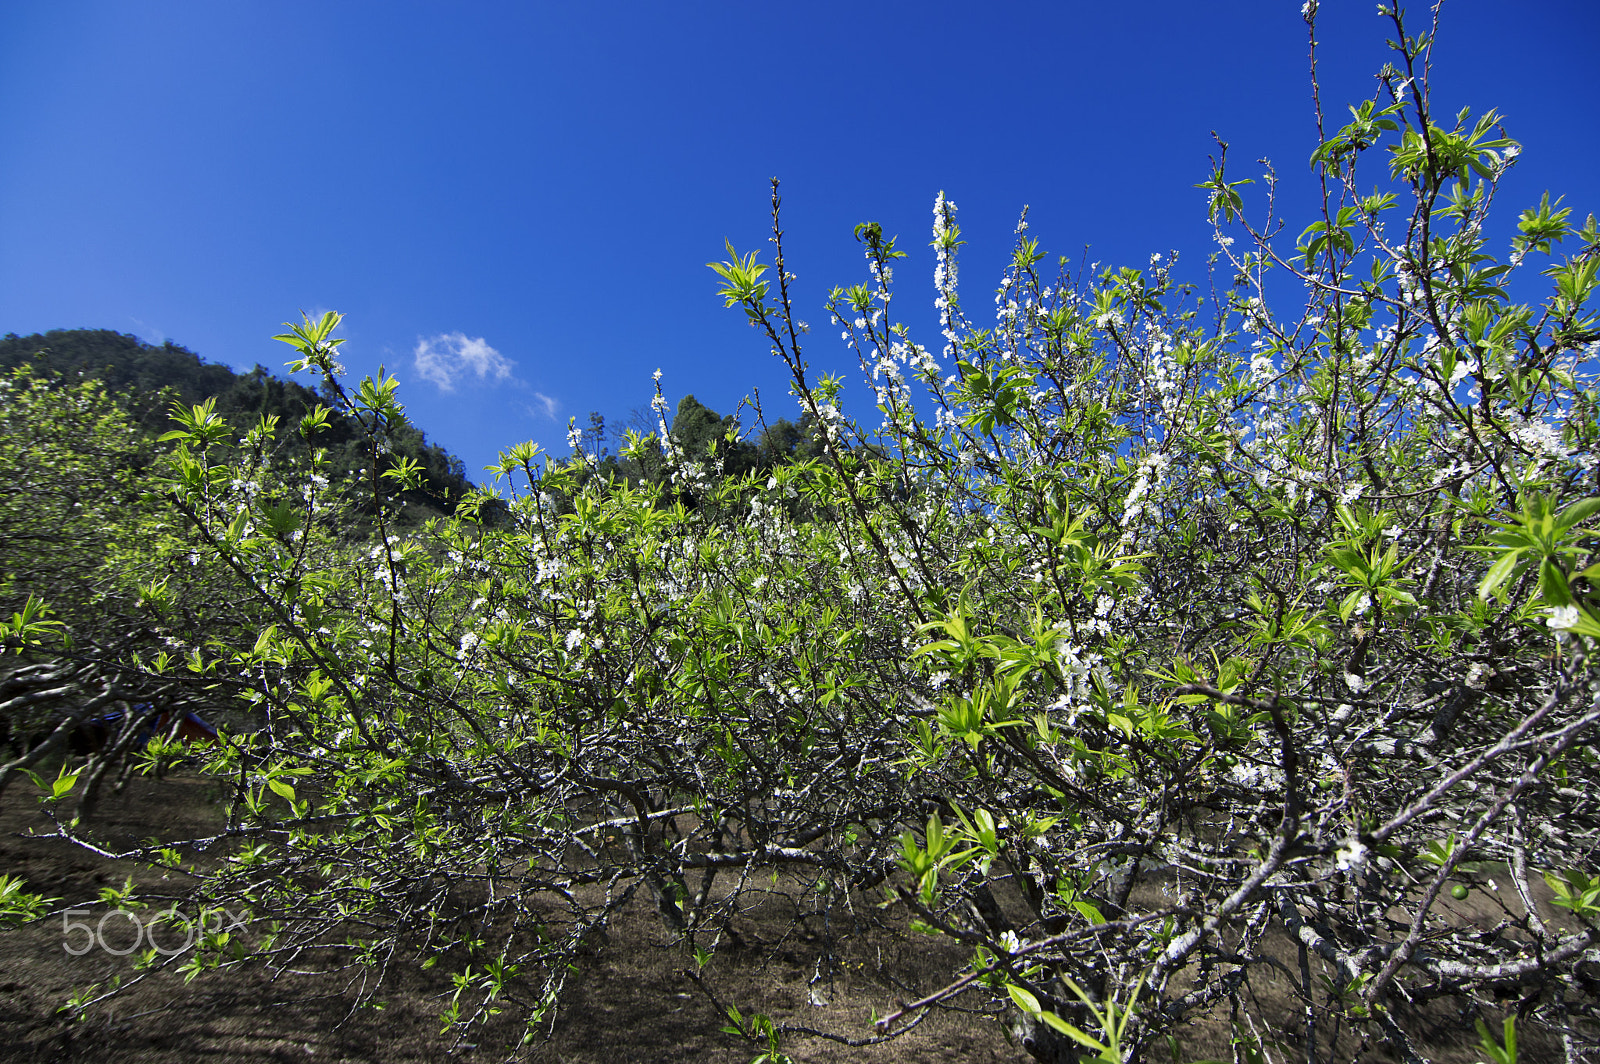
(448, 358)
(544, 406)
(149, 333)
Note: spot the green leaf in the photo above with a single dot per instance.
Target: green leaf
(1587, 625)
(1498, 573)
(1553, 583)
(1025, 1000)
(1351, 602)
(1578, 512)
(1058, 1024)
(1498, 1054)
(63, 783)
(1089, 913)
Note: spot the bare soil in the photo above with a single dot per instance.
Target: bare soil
(632, 1001)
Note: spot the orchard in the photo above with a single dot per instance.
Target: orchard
(1139, 627)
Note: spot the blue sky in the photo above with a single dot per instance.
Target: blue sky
(534, 189)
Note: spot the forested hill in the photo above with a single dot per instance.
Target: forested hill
(148, 377)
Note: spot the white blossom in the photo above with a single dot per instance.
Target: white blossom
(1562, 620)
(1352, 854)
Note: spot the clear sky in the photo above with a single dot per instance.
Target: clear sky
(533, 189)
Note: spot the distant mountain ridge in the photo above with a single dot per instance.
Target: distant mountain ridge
(137, 372)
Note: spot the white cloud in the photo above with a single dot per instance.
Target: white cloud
(149, 333)
(544, 406)
(447, 358)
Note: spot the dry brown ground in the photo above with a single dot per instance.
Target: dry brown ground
(631, 1002)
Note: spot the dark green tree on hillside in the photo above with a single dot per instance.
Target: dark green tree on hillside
(784, 441)
(148, 379)
(700, 433)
